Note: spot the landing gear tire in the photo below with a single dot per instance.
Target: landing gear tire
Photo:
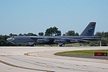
(61, 45)
(31, 44)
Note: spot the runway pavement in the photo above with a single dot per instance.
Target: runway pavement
(42, 59)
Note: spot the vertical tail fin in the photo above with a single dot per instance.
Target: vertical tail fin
(89, 30)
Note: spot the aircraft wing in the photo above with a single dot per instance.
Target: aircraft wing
(51, 39)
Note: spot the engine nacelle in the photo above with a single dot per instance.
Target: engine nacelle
(60, 41)
(42, 40)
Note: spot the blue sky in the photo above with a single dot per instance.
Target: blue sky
(24, 16)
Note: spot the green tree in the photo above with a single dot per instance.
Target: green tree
(104, 38)
(104, 41)
(71, 33)
(21, 34)
(3, 41)
(103, 34)
(52, 31)
(58, 33)
(76, 34)
(30, 34)
(12, 34)
(40, 33)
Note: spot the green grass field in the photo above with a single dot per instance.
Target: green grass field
(80, 52)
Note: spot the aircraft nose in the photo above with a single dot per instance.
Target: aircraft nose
(10, 39)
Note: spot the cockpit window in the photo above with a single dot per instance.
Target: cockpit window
(12, 36)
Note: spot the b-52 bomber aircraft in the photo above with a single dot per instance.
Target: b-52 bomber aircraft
(86, 36)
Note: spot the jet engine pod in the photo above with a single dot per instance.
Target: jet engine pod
(42, 40)
(59, 41)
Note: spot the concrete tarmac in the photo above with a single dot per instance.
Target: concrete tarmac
(42, 59)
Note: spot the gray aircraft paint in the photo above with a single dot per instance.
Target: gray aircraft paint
(86, 36)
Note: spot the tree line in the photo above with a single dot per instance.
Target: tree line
(54, 31)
